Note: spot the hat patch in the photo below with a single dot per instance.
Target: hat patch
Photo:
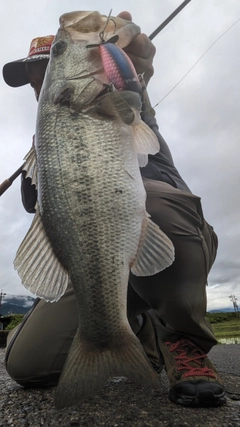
(40, 45)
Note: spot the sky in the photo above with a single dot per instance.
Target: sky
(199, 118)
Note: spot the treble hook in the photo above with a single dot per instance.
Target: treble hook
(101, 34)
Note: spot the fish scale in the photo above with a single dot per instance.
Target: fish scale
(91, 226)
(93, 243)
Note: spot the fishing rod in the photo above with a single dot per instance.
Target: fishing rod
(8, 182)
(169, 19)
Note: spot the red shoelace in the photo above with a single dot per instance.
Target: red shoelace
(186, 354)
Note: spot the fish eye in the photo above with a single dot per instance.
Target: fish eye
(59, 47)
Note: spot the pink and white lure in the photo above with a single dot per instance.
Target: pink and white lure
(118, 68)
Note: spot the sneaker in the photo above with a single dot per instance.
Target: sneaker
(193, 379)
(147, 338)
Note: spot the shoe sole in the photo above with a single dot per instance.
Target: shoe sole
(201, 399)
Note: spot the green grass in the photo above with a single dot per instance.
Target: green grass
(225, 325)
(15, 320)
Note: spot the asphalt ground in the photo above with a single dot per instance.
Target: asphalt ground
(123, 404)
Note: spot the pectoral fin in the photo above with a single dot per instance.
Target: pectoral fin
(156, 251)
(121, 105)
(145, 142)
(37, 265)
(126, 106)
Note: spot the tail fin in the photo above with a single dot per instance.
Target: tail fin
(88, 368)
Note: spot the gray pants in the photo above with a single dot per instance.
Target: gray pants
(37, 349)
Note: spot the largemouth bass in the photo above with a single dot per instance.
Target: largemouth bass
(91, 224)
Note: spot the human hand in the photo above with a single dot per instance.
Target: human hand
(141, 51)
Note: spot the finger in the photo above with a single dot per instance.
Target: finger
(125, 15)
(142, 47)
(142, 66)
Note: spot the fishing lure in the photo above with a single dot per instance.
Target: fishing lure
(118, 67)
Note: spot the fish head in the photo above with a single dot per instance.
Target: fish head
(75, 75)
(96, 28)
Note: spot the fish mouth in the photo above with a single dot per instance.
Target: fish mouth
(86, 74)
(98, 75)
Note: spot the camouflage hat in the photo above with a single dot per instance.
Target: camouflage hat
(14, 73)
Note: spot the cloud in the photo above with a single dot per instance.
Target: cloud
(199, 119)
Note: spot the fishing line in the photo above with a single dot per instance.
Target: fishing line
(223, 34)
